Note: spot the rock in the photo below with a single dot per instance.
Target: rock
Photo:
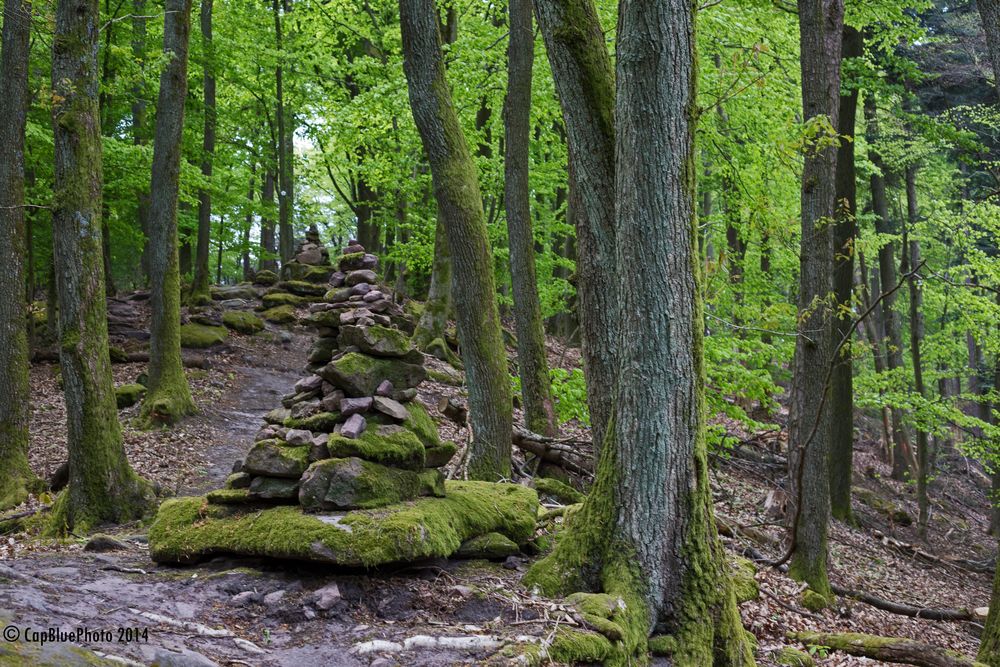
(303, 288)
(274, 488)
(325, 598)
(265, 277)
(183, 658)
(388, 445)
(405, 395)
(331, 402)
(278, 416)
(311, 254)
(208, 318)
(435, 457)
(296, 271)
(128, 395)
(338, 295)
(361, 276)
(374, 295)
(309, 383)
(244, 598)
(296, 436)
(238, 480)
(243, 291)
(337, 278)
(351, 261)
(268, 432)
(318, 450)
(272, 600)
(280, 314)
(493, 546)
(242, 321)
(104, 544)
(322, 350)
(305, 409)
(369, 261)
(360, 375)
(392, 408)
(199, 336)
(289, 400)
(384, 389)
(376, 340)
(322, 422)
(281, 299)
(354, 426)
(355, 406)
(352, 483)
(234, 304)
(274, 458)
(361, 289)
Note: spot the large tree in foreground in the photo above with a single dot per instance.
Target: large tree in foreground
(646, 533)
(820, 28)
(102, 485)
(460, 205)
(533, 367)
(16, 478)
(169, 397)
(200, 292)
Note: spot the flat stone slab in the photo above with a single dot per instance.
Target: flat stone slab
(187, 530)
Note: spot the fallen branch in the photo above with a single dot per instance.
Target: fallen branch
(566, 453)
(928, 613)
(888, 649)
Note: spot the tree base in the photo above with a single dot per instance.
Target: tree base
(133, 502)
(166, 407)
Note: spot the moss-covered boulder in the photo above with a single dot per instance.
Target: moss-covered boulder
(360, 375)
(200, 336)
(440, 455)
(353, 483)
(303, 288)
(128, 395)
(378, 341)
(265, 277)
(492, 546)
(388, 445)
(274, 488)
(276, 458)
(280, 314)
(351, 261)
(242, 321)
(189, 529)
(320, 274)
(744, 584)
(242, 291)
(321, 422)
(272, 299)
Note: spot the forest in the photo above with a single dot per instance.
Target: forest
(500, 332)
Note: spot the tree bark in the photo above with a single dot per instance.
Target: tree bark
(585, 83)
(844, 232)
(16, 478)
(989, 12)
(285, 148)
(247, 226)
(102, 486)
(533, 367)
(456, 188)
(267, 240)
(200, 284)
(434, 319)
(820, 28)
(169, 397)
(139, 137)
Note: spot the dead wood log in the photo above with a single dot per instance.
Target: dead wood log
(453, 410)
(189, 360)
(928, 613)
(567, 453)
(888, 649)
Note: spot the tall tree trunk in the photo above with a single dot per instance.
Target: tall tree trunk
(456, 187)
(646, 533)
(888, 279)
(989, 12)
(875, 339)
(585, 83)
(267, 239)
(169, 397)
(102, 486)
(107, 123)
(247, 226)
(820, 34)
(434, 319)
(844, 232)
(139, 137)
(285, 148)
(16, 478)
(200, 284)
(536, 387)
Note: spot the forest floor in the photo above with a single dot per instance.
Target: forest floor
(266, 613)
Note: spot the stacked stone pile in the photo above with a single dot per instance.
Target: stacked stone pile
(304, 279)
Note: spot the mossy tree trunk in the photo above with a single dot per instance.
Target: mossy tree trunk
(139, 137)
(169, 397)
(16, 478)
(584, 81)
(200, 284)
(820, 29)
(536, 387)
(844, 233)
(989, 12)
(285, 147)
(434, 319)
(102, 485)
(456, 187)
(646, 532)
(267, 240)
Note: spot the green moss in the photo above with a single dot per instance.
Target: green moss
(390, 446)
(440, 455)
(439, 349)
(377, 340)
(303, 288)
(360, 375)
(280, 314)
(265, 277)
(421, 423)
(229, 497)
(353, 483)
(882, 505)
(200, 336)
(272, 299)
(452, 379)
(490, 546)
(815, 601)
(17, 654)
(118, 355)
(351, 261)
(242, 321)
(321, 422)
(745, 586)
(575, 646)
(128, 395)
(792, 657)
(561, 491)
(665, 645)
(277, 458)
(188, 529)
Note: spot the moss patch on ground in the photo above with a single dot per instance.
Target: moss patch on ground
(200, 336)
(188, 529)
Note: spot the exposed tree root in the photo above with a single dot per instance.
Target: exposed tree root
(889, 649)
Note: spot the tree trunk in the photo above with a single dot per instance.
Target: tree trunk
(584, 81)
(169, 397)
(434, 319)
(536, 387)
(139, 137)
(267, 245)
(844, 232)
(247, 226)
(285, 148)
(888, 279)
(875, 340)
(102, 486)
(16, 478)
(646, 532)
(820, 29)
(200, 284)
(456, 188)
(989, 11)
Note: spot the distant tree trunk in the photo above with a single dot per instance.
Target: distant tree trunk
(875, 339)
(456, 187)
(247, 226)
(584, 81)
(989, 11)
(102, 486)
(267, 239)
(844, 232)
(200, 284)
(222, 246)
(536, 387)
(16, 478)
(434, 319)
(365, 201)
(169, 397)
(888, 279)
(139, 137)
(285, 148)
(646, 533)
(107, 123)
(820, 30)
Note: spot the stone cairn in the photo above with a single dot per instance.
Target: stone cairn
(350, 435)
